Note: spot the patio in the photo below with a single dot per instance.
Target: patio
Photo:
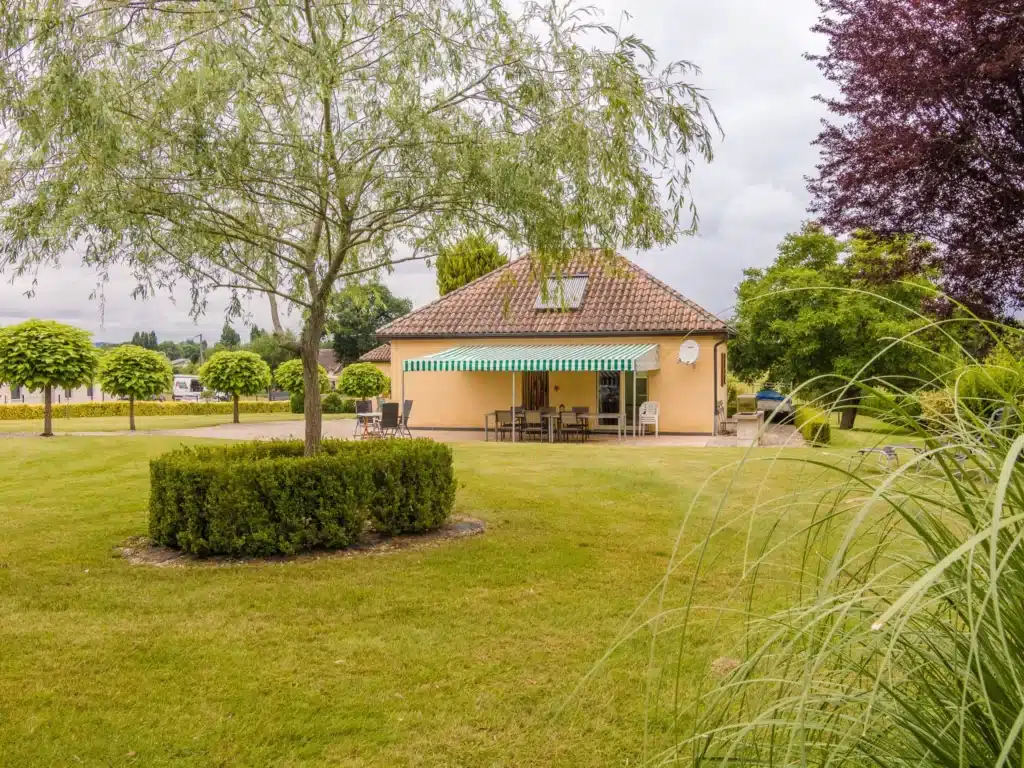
(341, 429)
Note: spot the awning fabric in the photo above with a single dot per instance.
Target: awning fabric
(541, 357)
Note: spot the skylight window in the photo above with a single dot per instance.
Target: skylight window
(563, 293)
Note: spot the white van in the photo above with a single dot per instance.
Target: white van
(187, 388)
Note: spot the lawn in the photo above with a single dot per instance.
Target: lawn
(144, 423)
(474, 652)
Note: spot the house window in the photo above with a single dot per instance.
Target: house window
(67, 394)
(564, 292)
(721, 366)
(88, 391)
(16, 393)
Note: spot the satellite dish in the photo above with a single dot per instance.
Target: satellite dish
(689, 351)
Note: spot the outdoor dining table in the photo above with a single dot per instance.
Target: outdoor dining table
(365, 420)
(554, 416)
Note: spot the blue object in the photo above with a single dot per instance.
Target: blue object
(770, 394)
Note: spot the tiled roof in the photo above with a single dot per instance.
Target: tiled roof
(329, 361)
(381, 354)
(619, 299)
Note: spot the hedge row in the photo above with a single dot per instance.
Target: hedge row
(332, 402)
(142, 408)
(813, 425)
(266, 498)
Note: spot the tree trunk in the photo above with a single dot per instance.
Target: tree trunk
(131, 412)
(848, 405)
(311, 334)
(235, 397)
(48, 411)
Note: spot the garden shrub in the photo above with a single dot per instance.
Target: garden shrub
(17, 411)
(891, 407)
(938, 407)
(259, 499)
(297, 402)
(335, 403)
(813, 425)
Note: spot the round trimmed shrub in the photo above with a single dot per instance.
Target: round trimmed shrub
(363, 381)
(259, 499)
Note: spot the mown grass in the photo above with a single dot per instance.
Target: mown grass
(144, 423)
(469, 653)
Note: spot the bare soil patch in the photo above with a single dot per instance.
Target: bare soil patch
(140, 550)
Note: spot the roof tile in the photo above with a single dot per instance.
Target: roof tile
(381, 354)
(621, 298)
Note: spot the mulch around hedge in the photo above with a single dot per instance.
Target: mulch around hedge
(140, 550)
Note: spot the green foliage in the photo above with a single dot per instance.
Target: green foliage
(258, 499)
(288, 376)
(819, 316)
(229, 337)
(40, 353)
(401, 123)
(356, 312)
(145, 340)
(236, 373)
(275, 349)
(472, 257)
(937, 408)
(813, 425)
(335, 403)
(21, 412)
(363, 380)
(131, 371)
(297, 402)
(899, 643)
(986, 387)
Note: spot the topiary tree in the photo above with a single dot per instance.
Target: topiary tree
(472, 257)
(363, 380)
(289, 377)
(135, 372)
(43, 354)
(237, 373)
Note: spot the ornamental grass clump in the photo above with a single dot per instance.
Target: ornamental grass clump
(877, 623)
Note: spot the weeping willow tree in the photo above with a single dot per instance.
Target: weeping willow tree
(283, 147)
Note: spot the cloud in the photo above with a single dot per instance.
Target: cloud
(751, 54)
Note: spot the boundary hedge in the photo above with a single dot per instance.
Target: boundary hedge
(18, 412)
(266, 498)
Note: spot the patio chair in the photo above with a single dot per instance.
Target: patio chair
(389, 423)
(406, 410)
(362, 406)
(649, 413)
(533, 425)
(503, 424)
(571, 424)
(586, 422)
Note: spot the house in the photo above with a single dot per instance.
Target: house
(331, 364)
(380, 357)
(85, 394)
(605, 336)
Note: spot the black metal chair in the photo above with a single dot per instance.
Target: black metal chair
(504, 424)
(390, 422)
(362, 428)
(533, 426)
(570, 425)
(406, 410)
(586, 422)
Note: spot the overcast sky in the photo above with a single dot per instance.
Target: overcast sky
(751, 54)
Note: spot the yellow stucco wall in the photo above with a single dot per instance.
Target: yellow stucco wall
(686, 394)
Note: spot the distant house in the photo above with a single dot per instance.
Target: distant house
(603, 337)
(90, 393)
(380, 357)
(331, 364)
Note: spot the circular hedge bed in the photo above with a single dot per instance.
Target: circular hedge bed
(259, 499)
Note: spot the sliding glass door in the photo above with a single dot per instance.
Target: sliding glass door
(611, 398)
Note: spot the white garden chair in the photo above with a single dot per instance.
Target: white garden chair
(649, 415)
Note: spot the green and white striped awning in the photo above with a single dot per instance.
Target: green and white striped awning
(541, 357)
